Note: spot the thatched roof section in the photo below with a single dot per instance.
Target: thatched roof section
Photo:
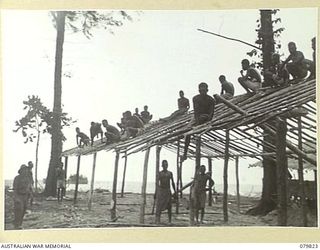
(246, 137)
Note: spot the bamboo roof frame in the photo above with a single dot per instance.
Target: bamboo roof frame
(246, 137)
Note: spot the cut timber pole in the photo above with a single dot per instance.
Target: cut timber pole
(77, 181)
(92, 180)
(191, 196)
(269, 130)
(300, 176)
(225, 179)
(66, 168)
(144, 186)
(237, 183)
(210, 191)
(158, 150)
(113, 205)
(282, 171)
(124, 173)
(178, 177)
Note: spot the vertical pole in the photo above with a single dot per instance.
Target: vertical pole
(113, 206)
(225, 178)
(158, 149)
(301, 177)
(210, 191)
(315, 190)
(92, 180)
(124, 174)
(282, 171)
(178, 177)
(237, 183)
(192, 193)
(66, 168)
(77, 181)
(144, 186)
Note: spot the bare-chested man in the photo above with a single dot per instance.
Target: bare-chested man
(61, 181)
(227, 89)
(296, 63)
(112, 134)
(203, 106)
(183, 107)
(251, 81)
(163, 192)
(145, 115)
(198, 191)
(276, 74)
(84, 139)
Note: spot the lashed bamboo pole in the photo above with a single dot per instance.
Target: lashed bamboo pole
(301, 178)
(225, 179)
(92, 181)
(282, 170)
(210, 190)
(113, 207)
(237, 183)
(144, 186)
(124, 174)
(77, 181)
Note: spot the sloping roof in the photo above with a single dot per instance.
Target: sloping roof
(246, 138)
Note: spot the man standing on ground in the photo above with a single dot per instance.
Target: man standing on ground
(61, 182)
(163, 192)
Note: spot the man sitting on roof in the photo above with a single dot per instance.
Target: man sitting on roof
(227, 89)
(112, 133)
(183, 106)
(203, 106)
(84, 139)
(251, 81)
(133, 125)
(145, 115)
(297, 65)
(276, 74)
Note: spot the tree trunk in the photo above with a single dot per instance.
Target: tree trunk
(56, 138)
(36, 163)
(269, 188)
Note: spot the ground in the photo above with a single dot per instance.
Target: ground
(51, 214)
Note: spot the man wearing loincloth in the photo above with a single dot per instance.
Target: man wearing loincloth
(163, 192)
(251, 81)
(198, 191)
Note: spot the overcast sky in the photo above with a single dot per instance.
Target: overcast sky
(145, 62)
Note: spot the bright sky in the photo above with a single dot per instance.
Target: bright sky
(146, 61)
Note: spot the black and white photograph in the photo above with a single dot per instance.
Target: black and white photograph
(117, 118)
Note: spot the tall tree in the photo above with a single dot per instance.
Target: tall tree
(83, 21)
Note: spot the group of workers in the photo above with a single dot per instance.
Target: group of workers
(278, 74)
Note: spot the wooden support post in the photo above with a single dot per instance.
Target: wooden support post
(178, 177)
(158, 150)
(282, 172)
(315, 189)
(210, 191)
(77, 181)
(113, 205)
(191, 199)
(144, 186)
(66, 168)
(225, 179)
(92, 180)
(124, 173)
(237, 183)
(301, 178)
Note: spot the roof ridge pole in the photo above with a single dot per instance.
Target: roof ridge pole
(124, 173)
(225, 179)
(113, 204)
(92, 180)
(144, 186)
(237, 183)
(77, 181)
(300, 176)
(282, 172)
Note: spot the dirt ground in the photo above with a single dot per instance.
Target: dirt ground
(51, 214)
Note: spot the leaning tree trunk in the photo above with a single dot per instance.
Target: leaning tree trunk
(269, 184)
(36, 164)
(56, 138)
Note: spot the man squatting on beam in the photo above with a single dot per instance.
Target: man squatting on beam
(251, 81)
(183, 107)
